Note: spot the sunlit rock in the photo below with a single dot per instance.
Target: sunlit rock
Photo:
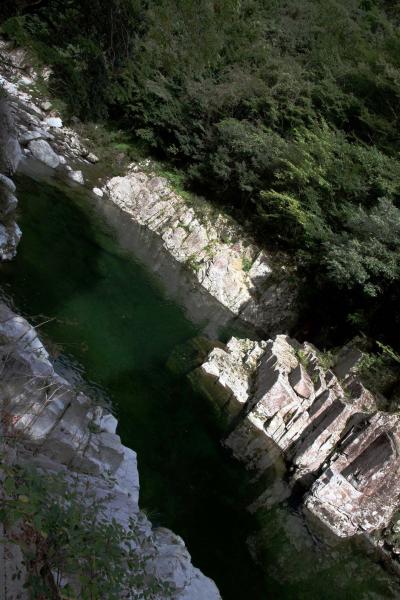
(227, 264)
(42, 151)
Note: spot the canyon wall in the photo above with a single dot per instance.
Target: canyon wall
(282, 402)
(48, 424)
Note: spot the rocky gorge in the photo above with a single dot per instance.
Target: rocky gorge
(280, 399)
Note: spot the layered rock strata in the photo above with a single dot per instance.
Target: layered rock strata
(250, 283)
(282, 401)
(48, 424)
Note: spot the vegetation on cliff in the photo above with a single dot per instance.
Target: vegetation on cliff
(65, 535)
(286, 113)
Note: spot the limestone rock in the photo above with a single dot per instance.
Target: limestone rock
(76, 176)
(58, 429)
(203, 244)
(44, 152)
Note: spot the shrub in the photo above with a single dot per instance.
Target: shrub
(65, 534)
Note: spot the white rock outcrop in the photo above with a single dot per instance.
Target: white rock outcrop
(224, 261)
(283, 403)
(47, 423)
(44, 152)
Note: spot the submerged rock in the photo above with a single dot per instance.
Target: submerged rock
(98, 192)
(76, 176)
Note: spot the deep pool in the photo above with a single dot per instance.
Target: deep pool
(111, 321)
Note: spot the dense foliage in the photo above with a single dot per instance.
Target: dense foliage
(71, 548)
(284, 111)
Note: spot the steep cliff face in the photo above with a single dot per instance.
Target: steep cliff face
(282, 402)
(47, 424)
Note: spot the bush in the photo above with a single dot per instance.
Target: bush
(65, 534)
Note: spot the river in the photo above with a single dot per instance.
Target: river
(111, 321)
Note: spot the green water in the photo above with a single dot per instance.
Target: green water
(109, 319)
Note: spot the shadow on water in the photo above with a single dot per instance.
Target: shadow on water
(114, 322)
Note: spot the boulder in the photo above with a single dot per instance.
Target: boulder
(98, 192)
(7, 184)
(92, 158)
(46, 105)
(44, 152)
(10, 236)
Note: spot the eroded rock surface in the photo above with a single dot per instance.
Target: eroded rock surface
(249, 282)
(47, 423)
(283, 402)
(360, 489)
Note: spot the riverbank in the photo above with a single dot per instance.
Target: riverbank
(50, 427)
(256, 287)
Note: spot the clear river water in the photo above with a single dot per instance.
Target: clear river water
(110, 320)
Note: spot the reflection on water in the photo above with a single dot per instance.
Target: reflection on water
(114, 324)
